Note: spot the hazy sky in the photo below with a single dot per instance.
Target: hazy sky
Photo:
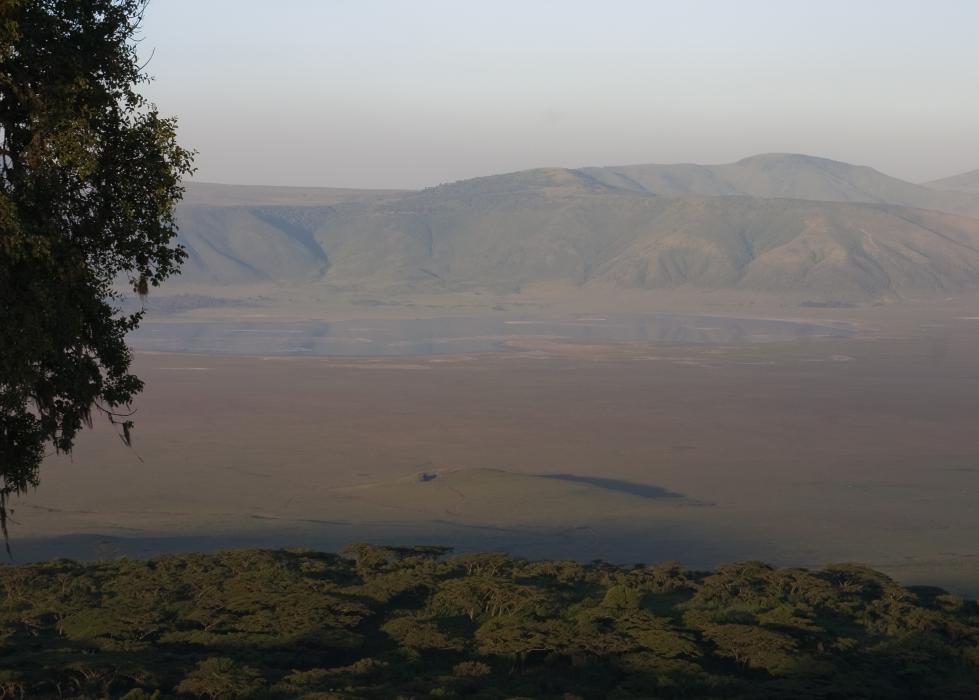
(364, 93)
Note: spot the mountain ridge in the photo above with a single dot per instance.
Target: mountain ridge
(590, 227)
(784, 175)
(963, 182)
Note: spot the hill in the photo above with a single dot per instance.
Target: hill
(784, 175)
(581, 227)
(386, 622)
(216, 195)
(966, 182)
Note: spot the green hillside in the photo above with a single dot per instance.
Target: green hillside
(381, 622)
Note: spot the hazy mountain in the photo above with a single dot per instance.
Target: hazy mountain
(242, 245)
(966, 182)
(784, 175)
(583, 227)
(217, 195)
(240, 234)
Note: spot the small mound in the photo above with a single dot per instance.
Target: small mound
(493, 495)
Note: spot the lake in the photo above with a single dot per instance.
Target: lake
(433, 336)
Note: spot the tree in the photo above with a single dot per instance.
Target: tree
(757, 647)
(221, 678)
(89, 180)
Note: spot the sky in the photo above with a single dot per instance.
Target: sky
(414, 93)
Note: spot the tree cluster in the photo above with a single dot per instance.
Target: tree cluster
(381, 622)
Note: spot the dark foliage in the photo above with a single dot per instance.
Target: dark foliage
(89, 178)
(383, 622)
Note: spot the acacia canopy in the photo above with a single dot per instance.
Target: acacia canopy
(89, 178)
(386, 622)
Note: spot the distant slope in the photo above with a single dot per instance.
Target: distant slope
(836, 250)
(245, 245)
(580, 227)
(784, 175)
(966, 182)
(216, 195)
(243, 234)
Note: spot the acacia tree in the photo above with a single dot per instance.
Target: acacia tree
(89, 179)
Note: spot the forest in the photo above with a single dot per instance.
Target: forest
(422, 622)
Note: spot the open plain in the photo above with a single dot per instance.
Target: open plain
(801, 452)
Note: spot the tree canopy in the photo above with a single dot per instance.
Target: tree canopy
(397, 622)
(90, 176)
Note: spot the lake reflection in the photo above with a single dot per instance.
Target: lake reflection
(454, 335)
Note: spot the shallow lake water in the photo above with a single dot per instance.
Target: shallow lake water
(390, 337)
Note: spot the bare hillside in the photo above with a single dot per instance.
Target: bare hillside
(966, 182)
(785, 175)
(506, 231)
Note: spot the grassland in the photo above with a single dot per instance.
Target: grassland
(799, 453)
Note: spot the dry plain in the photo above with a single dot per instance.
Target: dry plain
(799, 452)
